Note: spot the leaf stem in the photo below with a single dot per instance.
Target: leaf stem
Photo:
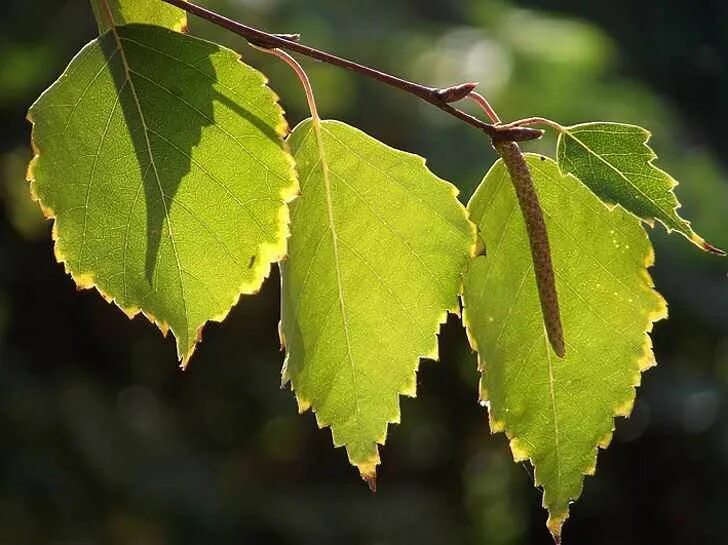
(530, 121)
(481, 101)
(302, 76)
(435, 96)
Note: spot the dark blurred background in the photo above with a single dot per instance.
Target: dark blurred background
(104, 440)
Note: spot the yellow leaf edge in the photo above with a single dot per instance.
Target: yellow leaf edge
(623, 408)
(182, 25)
(368, 468)
(268, 253)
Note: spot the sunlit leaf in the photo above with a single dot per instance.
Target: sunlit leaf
(376, 254)
(556, 412)
(160, 158)
(151, 12)
(615, 161)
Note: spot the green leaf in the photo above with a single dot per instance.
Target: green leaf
(615, 162)
(151, 12)
(557, 411)
(376, 255)
(160, 157)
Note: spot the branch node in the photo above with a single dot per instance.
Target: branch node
(456, 92)
(515, 134)
(269, 41)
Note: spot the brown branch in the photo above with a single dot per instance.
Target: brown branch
(439, 98)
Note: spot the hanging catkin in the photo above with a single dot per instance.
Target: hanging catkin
(538, 239)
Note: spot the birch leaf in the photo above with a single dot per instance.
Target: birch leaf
(160, 157)
(616, 163)
(556, 412)
(375, 262)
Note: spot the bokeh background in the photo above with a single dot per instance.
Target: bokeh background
(103, 440)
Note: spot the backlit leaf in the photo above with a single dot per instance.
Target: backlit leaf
(556, 412)
(160, 158)
(615, 162)
(151, 12)
(376, 254)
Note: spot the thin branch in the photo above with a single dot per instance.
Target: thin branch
(435, 96)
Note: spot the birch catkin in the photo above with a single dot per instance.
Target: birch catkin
(538, 239)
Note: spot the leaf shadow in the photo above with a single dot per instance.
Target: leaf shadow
(167, 106)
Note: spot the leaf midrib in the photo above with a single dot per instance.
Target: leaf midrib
(615, 169)
(337, 267)
(142, 119)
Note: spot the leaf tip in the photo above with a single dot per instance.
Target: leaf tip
(555, 524)
(371, 481)
(368, 470)
(184, 359)
(712, 249)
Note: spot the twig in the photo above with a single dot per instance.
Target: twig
(439, 98)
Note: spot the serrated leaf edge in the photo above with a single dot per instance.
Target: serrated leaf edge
(689, 233)
(268, 253)
(368, 468)
(623, 408)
